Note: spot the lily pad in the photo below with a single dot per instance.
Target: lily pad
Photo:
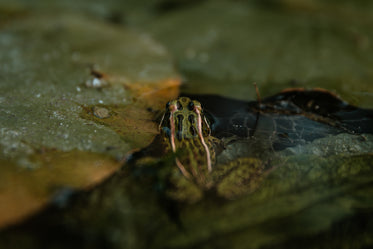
(52, 66)
(223, 47)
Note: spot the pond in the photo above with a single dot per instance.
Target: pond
(92, 155)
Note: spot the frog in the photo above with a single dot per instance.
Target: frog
(186, 133)
(185, 127)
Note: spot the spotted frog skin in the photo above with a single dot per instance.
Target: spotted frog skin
(186, 131)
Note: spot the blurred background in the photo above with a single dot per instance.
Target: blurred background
(224, 46)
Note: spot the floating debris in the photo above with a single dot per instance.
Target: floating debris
(101, 112)
(96, 80)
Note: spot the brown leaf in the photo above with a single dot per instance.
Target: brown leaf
(24, 191)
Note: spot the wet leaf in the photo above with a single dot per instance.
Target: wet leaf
(278, 44)
(77, 86)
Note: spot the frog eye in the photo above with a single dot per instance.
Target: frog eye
(191, 106)
(166, 131)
